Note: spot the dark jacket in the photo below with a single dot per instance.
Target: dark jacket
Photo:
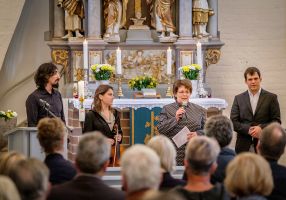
(61, 170)
(169, 182)
(95, 122)
(242, 117)
(225, 156)
(216, 193)
(87, 188)
(279, 180)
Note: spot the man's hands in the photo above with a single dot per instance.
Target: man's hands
(179, 113)
(190, 135)
(255, 131)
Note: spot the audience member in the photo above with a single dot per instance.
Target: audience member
(159, 195)
(51, 134)
(271, 146)
(9, 159)
(8, 190)
(141, 173)
(167, 154)
(253, 110)
(91, 161)
(31, 178)
(248, 177)
(200, 162)
(220, 128)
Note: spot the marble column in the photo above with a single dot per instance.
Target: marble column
(94, 19)
(185, 19)
(212, 27)
(59, 21)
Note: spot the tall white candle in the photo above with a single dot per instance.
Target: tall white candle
(85, 54)
(169, 61)
(199, 54)
(118, 61)
(80, 89)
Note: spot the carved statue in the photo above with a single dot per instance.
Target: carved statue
(112, 18)
(201, 13)
(162, 16)
(74, 13)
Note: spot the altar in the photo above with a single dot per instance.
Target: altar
(139, 117)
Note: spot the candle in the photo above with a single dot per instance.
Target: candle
(118, 61)
(169, 61)
(80, 89)
(199, 54)
(85, 54)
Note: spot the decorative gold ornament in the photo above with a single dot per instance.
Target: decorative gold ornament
(212, 56)
(79, 74)
(60, 57)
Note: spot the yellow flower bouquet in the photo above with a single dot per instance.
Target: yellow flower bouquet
(190, 72)
(141, 82)
(102, 71)
(9, 114)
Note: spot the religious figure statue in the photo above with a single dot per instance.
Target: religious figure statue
(114, 18)
(74, 13)
(162, 16)
(201, 13)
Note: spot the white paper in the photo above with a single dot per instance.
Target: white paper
(181, 137)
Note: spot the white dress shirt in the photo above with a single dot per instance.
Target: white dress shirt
(254, 100)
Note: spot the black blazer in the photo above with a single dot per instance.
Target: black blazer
(61, 170)
(279, 179)
(169, 182)
(95, 122)
(87, 188)
(242, 117)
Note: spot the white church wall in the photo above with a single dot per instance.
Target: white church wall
(26, 52)
(254, 33)
(10, 12)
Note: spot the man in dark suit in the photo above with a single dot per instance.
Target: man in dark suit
(92, 160)
(253, 110)
(271, 146)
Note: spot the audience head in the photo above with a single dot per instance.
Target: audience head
(182, 86)
(93, 153)
(201, 155)
(8, 190)
(272, 141)
(31, 178)
(220, 128)
(248, 174)
(103, 94)
(140, 167)
(51, 134)
(8, 160)
(44, 73)
(165, 150)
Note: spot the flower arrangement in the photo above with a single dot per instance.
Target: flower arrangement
(102, 71)
(9, 114)
(141, 82)
(191, 71)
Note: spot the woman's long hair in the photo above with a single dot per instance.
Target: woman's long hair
(101, 90)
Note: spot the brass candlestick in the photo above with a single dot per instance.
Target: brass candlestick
(119, 91)
(169, 92)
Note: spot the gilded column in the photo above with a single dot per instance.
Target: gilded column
(94, 19)
(59, 21)
(212, 27)
(185, 19)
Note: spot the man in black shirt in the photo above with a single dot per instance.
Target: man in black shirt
(46, 78)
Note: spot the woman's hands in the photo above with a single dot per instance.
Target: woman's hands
(179, 113)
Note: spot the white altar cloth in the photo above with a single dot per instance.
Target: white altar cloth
(152, 103)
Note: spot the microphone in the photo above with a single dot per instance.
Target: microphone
(183, 105)
(44, 103)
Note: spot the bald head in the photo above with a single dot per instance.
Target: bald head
(272, 141)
